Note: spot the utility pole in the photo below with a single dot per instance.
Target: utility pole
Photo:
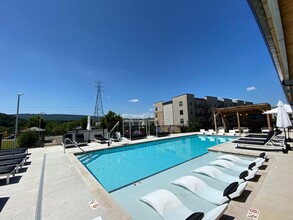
(99, 111)
(16, 120)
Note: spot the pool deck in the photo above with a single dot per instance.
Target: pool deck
(61, 192)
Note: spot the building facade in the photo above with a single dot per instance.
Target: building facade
(183, 109)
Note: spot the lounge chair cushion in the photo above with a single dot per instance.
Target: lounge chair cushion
(230, 189)
(196, 216)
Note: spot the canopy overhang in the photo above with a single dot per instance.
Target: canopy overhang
(244, 109)
(275, 19)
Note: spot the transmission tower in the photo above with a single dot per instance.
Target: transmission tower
(99, 111)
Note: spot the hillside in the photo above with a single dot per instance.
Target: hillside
(53, 117)
(8, 121)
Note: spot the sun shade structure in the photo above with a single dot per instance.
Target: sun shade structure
(242, 110)
(275, 19)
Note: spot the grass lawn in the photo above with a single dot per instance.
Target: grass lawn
(7, 144)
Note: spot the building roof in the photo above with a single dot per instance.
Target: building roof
(244, 108)
(275, 19)
(35, 129)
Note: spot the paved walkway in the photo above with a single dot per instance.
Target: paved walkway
(66, 195)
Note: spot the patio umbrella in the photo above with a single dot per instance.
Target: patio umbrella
(283, 120)
(89, 127)
(275, 110)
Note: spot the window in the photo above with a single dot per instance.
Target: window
(156, 115)
(181, 112)
(181, 121)
(180, 103)
(156, 109)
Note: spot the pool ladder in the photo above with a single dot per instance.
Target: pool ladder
(68, 139)
(109, 134)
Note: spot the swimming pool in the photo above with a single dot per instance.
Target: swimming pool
(115, 168)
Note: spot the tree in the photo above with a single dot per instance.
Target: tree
(28, 139)
(193, 126)
(109, 120)
(83, 122)
(35, 122)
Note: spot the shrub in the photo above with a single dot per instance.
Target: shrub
(28, 139)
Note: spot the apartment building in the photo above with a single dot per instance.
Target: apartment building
(186, 108)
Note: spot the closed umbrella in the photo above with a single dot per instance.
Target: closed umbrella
(283, 120)
(89, 127)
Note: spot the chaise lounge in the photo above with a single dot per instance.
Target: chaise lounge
(79, 140)
(100, 139)
(233, 158)
(232, 166)
(168, 206)
(7, 171)
(201, 189)
(217, 174)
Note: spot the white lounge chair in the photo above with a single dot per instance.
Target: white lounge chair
(202, 131)
(245, 130)
(232, 133)
(221, 131)
(232, 166)
(210, 132)
(265, 130)
(217, 174)
(201, 189)
(236, 159)
(170, 207)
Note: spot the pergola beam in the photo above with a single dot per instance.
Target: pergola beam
(241, 109)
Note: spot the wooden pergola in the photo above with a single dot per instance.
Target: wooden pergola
(244, 109)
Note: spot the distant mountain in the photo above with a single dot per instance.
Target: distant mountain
(8, 121)
(53, 117)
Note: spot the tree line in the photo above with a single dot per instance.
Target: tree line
(7, 124)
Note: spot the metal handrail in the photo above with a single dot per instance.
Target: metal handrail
(109, 134)
(68, 139)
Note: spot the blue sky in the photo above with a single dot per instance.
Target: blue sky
(144, 51)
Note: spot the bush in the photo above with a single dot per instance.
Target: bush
(28, 139)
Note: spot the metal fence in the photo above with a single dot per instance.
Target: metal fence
(6, 144)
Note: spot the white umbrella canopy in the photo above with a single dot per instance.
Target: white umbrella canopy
(275, 110)
(89, 127)
(283, 120)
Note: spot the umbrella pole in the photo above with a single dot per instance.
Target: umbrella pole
(285, 135)
(289, 139)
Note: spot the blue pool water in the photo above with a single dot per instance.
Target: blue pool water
(118, 167)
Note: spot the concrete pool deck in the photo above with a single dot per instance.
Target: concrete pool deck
(66, 195)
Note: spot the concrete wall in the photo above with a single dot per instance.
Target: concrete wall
(158, 113)
(181, 103)
(168, 114)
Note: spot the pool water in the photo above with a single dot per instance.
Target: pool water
(115, 168)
